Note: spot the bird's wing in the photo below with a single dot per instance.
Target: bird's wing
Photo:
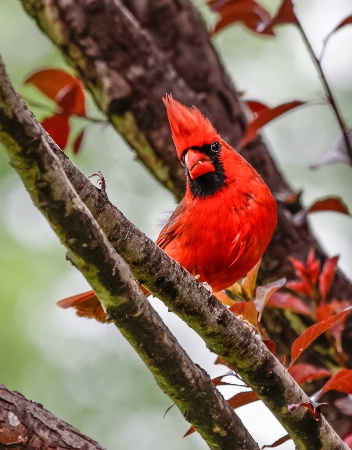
(173, 226)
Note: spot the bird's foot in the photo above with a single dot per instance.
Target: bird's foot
(205, 284)
(208, 287)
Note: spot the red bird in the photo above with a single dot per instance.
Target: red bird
(221, 228)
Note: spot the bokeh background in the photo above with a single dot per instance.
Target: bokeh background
(85, 372)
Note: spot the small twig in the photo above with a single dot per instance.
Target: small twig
(326, 87)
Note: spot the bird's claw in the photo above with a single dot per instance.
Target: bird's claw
(208, 287)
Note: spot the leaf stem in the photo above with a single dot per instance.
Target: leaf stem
(327, 88)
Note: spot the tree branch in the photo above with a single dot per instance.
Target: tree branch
(27, 425)
(38, 161)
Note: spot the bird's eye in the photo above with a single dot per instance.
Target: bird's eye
(215, 146)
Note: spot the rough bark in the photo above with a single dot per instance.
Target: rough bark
(42, 168)
(27, 425)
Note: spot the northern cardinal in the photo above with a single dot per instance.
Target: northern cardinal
(221, 228)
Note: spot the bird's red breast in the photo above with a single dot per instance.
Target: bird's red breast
(222, 227)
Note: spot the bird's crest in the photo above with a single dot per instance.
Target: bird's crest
(189, 127)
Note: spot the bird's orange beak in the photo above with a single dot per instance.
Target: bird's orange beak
(198, 163)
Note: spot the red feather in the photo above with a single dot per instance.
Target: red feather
(218, 237)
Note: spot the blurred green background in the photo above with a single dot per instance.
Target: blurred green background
(85, 372)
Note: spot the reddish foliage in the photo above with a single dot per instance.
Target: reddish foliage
(264, 116)
(67, 92)
(284, 15)
(341, 381)
(286, 300)
(311, 333)
(279, 442)
(323, 312)
(270, 345)
(250, 13)
(58, 128)
(301, 287)
(242, 399)
(307, 273)
(256, 107)
(218, 381)
(329, 204)
(189, 431)
(78, 142)
(247, 311)
(343, 23)
(348, 440)
(60, 86)
(327, 275)
(327, 310)
(221, 361)
(303, 373)
(263, 294)
(312, 406)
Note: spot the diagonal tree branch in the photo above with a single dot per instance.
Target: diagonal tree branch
(39, 163)
(34, 157)
(27, 425)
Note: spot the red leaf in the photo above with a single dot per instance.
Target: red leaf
(286, 300)
(299, 267)
(58, 128)
(311, 333)
(308, 274)
(312, 406)
(348, 440)
(71, 100)
(254, 16)
(263, 294)
(219, 360)
(189, 431)
(327, 275)
(62, 87)
(341, 381)
(256, 107)
(270, 345)
(303, 373)
(218, 381)
(279, 442)
(323, 312)
(284, 15)
(313, 267)
(301, 287)
(242, 399)
(343, 23)
(263, 118)
(337, 153)
(329, 204)
(246, 310)
(78, 142)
